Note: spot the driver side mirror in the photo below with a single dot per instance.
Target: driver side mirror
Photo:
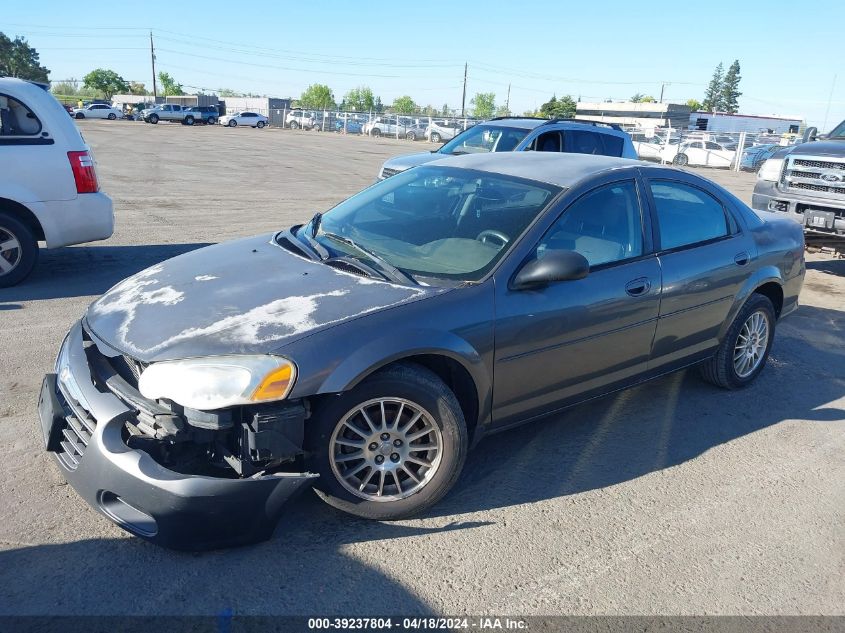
(810, 135)
(554, 265)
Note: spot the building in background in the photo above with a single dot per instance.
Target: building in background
(723, 122)
(193, 100)
(638, 116)
(274, 109)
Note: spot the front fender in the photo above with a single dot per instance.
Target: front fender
(401, 344)
(761, 276)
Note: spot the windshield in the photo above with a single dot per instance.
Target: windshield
(838, 131)
(437, 222)
(485, 138)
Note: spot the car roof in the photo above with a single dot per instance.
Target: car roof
(515, 122)
(560, 169)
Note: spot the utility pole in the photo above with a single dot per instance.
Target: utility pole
(153, 61)
(827, 110)
(508, 100)
(662, 86)
(464, 98)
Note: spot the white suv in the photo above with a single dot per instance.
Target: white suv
(48, 186)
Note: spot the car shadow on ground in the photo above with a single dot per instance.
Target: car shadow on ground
(658, 424)
(829, 266)
(78, 271)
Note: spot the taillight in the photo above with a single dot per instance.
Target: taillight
(83, 172)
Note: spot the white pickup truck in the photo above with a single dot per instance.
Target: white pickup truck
(48, 184)
(169, 112)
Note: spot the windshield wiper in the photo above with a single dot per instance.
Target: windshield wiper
(315, 223)
(386, 268)
(318, 248)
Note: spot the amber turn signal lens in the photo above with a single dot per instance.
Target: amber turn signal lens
(275, 384)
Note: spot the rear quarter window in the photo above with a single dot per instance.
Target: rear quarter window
(16, 119)
(613, 145)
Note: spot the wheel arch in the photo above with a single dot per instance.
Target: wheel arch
(766, 281)
(446, 355)
(24, 214)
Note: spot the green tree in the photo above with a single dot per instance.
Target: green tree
(713, 95)
(404, 105)
(563, 108)
(636, 98)
(730, 89)
(105, 81)
(137, 88)
(67, 88)
(227, 92)
(19, 59)
(503, 110)
(317, 96)
(483, 105)
(169, 85)
(694, 105)
(359, 99)
(648, 99)
(444, 111)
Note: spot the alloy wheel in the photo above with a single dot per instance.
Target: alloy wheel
(385, 449)
(751, 344)
(10, 251)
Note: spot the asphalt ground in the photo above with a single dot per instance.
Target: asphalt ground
(670, 498)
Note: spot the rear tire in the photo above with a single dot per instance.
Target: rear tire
(18, 250)
(376, 132)
(735, 364)
(405, 391)
(411, 136)
(211, 121)
(189, 120)
(294, 125)
(79, 115)
(435, 137)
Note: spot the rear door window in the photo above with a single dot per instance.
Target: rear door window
(583, 142)
(687, 215)
(612, 145)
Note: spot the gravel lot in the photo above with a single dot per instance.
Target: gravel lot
(670, 498)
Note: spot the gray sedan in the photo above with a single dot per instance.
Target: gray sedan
(364, 352)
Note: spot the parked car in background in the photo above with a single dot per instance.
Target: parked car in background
(650, 148)
(416, 131)
(367, 350)
(49, 190)
(248, 119)
(699, 154)
(439, 131)
(520, 134)
(349, 125)
(97, 111)
(169, 112)
(206, 114)
(299, 119)
(754, 157)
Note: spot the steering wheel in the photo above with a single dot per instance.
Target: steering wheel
(493, 234)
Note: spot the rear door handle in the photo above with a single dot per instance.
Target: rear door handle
(741, 258)
(638, 287)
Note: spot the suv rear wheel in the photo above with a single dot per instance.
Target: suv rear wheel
(18, 250)
(211, 121)
(294, 125)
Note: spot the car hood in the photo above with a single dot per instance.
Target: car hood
(246, 296)
(406, 161)
(822, 148)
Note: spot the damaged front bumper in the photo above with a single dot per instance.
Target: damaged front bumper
(84, 428)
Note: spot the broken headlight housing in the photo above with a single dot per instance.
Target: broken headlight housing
(215, 382)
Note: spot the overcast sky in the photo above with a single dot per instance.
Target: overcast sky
(612, 49)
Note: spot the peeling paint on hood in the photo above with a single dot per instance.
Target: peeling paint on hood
(246, 296)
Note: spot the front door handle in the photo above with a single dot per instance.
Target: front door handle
(638, 287)
(741, 258)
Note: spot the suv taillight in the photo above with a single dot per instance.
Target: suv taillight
(83, 172)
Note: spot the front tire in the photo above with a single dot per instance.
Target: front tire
(232, 123)
(189, 120)
(681, 160)
(411, 136)
(18, 250)
(259, 125)
(376, 132)
(211, 121)
(389, 448)
(294, 125)
(79, 115)
(435, 137)
(745, 349)
(154, 119)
